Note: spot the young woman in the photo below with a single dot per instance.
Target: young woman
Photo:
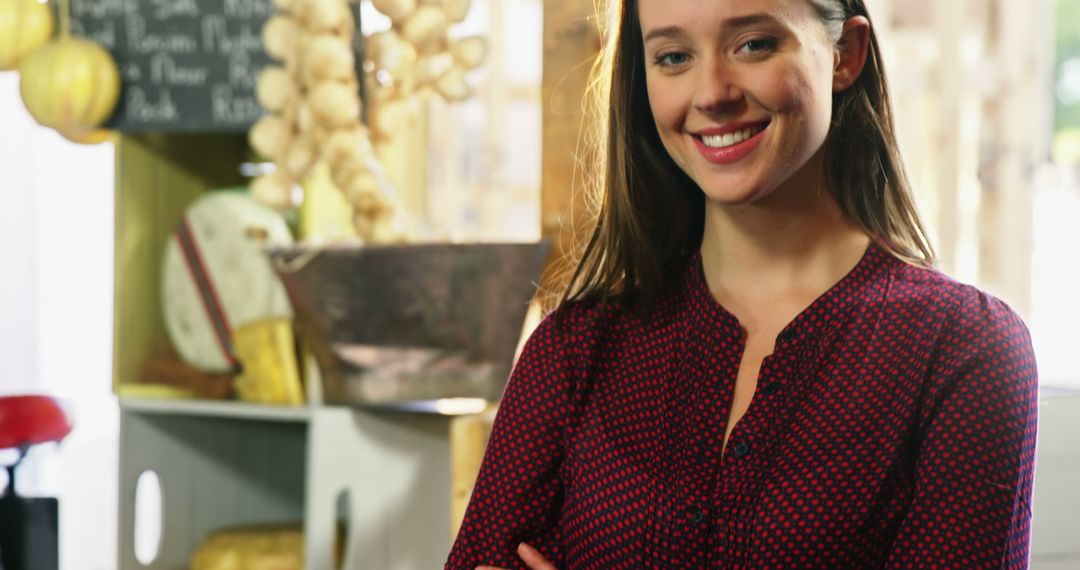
(755, 365)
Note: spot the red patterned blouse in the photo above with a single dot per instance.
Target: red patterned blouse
(893, 427)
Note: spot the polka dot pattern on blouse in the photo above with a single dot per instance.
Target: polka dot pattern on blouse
(893, 426)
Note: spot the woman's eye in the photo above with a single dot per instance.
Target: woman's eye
(671, 59)
(757, 45)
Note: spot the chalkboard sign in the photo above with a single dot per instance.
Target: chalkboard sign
(186, 65)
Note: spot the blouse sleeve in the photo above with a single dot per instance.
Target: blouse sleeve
(976, 459)
(518, 492)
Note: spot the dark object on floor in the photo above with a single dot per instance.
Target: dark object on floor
(28, 533)
(28, 526)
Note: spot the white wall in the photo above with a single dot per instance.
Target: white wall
(56, 240)
(1055, 526)
(18, 296)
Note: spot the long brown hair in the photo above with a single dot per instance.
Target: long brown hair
(649, 215)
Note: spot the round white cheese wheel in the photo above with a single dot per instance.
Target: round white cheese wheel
(216, 276)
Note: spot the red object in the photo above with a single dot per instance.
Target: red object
(30, 420)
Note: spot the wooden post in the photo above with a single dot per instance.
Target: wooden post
(468, 441)
(950, 24)
(1018, 114)
(571, 43)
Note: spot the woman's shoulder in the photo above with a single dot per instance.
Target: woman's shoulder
(968, 315)
(591, 322)
(978, 347)
(579, 319)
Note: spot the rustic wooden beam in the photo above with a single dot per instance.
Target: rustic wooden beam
(571, 43)
(1018, 114)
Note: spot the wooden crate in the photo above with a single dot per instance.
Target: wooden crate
(223, 463)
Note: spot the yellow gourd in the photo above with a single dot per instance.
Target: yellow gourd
(88, 137)
(24, 25)
(70, 84)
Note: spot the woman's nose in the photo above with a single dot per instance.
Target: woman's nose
(716, 88)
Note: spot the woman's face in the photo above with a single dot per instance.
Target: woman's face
(740, 90)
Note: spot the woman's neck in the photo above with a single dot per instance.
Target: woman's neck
(787, 243)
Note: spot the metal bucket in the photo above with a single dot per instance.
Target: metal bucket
(411, 326)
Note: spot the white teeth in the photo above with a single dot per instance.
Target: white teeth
(729, 139)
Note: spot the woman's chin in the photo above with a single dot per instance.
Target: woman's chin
(734, 196)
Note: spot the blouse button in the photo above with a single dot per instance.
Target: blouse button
(771, 388)
(741, 448)
(697, 515)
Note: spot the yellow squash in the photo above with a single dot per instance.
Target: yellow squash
(70, 84)
(24, 25)
(88, 137)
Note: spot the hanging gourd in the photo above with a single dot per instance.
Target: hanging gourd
(70, 84)
(92, 136)
(24, 26)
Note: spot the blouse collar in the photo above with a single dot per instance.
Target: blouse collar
(817, 322)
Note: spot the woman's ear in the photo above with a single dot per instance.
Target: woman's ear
(851, 52)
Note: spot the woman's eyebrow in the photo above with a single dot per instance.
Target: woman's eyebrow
(665, 32)
(749, 20)
(735, 23)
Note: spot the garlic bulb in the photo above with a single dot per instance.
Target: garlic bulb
(274, 190)
(364, 193)
(397, 10)
(430, 68)
(426, 29)
(300, 156)
(286, 5)
(392, 117)
(390, 227)
(270, 137)
(279, 37)
(364, 226)
(388, 51)
(417, 54)
(346, 146)
(344, 171)
(327, 57)
(275, 88)
(335, 104)
(469, 52)
(315, 106)
(452, 85)
(303, 119)
(326, 15)
(456, 10)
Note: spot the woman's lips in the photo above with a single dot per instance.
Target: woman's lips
(733, 151)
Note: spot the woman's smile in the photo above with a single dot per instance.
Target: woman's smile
(730, 144)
